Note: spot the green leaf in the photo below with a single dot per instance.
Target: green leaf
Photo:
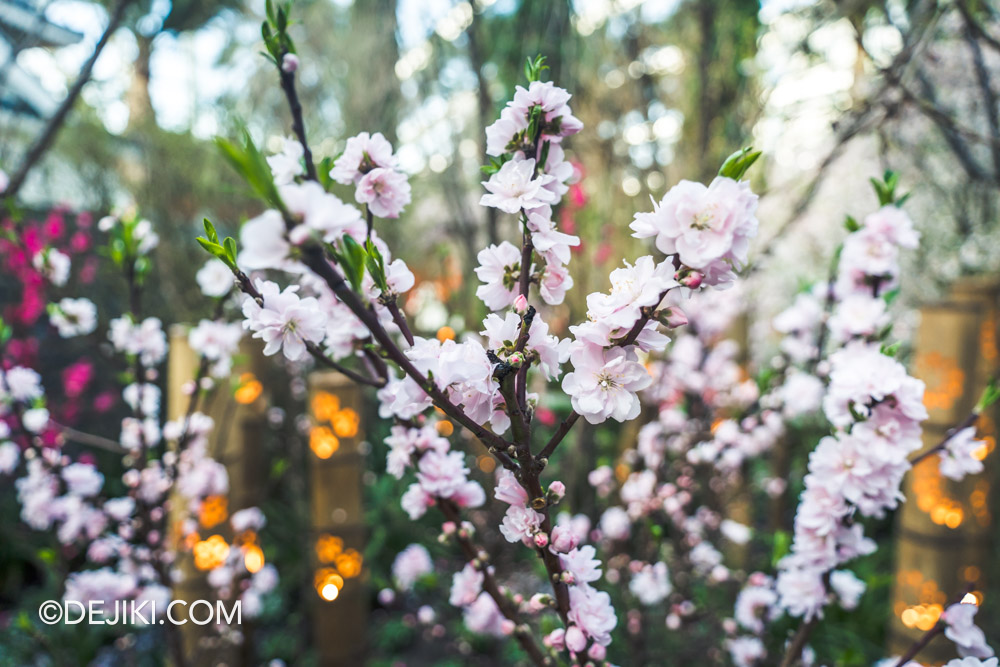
(990, 396)
(890, 350)
(376, 266)
(210, 232)
(231, 250)
(251, 164)
(533, 68)
(851, 224)
(353, 259)
(213, 248)
(782, 544)
(737, 164)
(323, 171)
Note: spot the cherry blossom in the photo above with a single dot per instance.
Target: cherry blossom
(362, 153)
(74, 317)
(285, 321)
(603, 383)
(514, 187)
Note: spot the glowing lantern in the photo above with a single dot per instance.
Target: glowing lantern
(325, 405)
(211, 553)
(328, 548)
(323, 442)
(249, 389)
(253, 559)
(214, 510)
(345, 423)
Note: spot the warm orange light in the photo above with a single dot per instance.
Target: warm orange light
(214, 510)
(323, 442)
(445, 428)
(487, 463)
(249, 390)
(970, 599)
(328, 583)
(345, 423)
(211, 553)
(328, 548)
(253, 559)
(349, 563)
(980, 452)
(325, 405)
(445, 333)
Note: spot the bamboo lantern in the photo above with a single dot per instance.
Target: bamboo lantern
(944, 527)
(336, 466)
(239, 415)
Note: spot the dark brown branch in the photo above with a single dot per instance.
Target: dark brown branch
(298, 125)
(970, 420)
(324, 360)
(314, 258)
(798, 642)
(58, 119)
(986, 88)
(490, 586)
(89, 439)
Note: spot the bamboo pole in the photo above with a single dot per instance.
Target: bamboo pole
(943, 530)
(336, 467)
(238, 411)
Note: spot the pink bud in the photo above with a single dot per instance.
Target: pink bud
(520, 304)
(597, 652)
(537, 602)
(557, 489)
(563, 540)
(676, 317)
(576, 641)
(556, 639)
(507, 626)
(290, 63)
(448, 527)
(692, 280)
(541, 540)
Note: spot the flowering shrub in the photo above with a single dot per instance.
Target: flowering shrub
(316, 281)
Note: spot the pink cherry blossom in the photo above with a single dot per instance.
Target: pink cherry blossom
(603, 383)
(409, 565)
(285, 322)
(385, 191)
(592, 612)
(514, 187)
(498, 271)
(362, 153)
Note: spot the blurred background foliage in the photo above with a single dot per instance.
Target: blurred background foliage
(832, 91)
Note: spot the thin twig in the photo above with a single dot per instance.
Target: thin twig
(58, 119)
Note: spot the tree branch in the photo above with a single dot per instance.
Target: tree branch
(58, 119)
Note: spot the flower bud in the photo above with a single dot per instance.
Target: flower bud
(563, 540)
(597, 652)
(538, 602)
(289, 63)
(556, 491)
(692, 280)
(520, 304)
(541, 540)
(507, 626)
(556, 639)
(674, 317)
(448, 527)
(576, 641)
